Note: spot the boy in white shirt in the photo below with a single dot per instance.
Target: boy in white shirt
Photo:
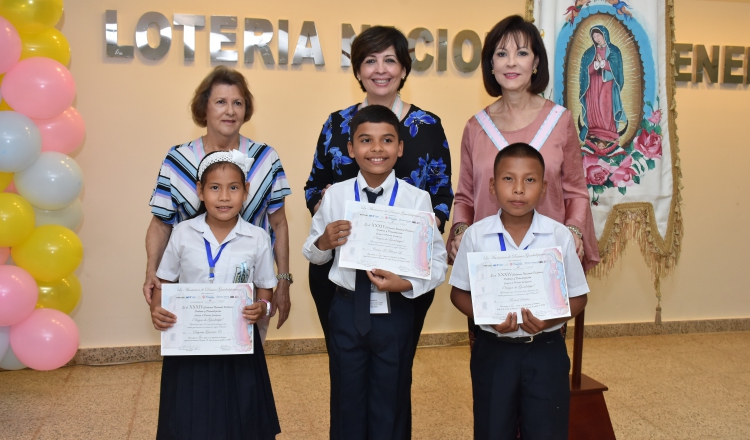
(519, 373)
(370, 355)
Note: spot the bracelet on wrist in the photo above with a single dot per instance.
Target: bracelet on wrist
(268, 306)
(574, 229)
(460, 228)
(285, 276)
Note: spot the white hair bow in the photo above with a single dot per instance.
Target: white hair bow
(234, 156)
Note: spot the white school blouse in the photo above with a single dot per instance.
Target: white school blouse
(543, 233)
(333, 207)
(185, 258)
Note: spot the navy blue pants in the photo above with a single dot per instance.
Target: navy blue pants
(323, 291)
(371, 374)
(520, 384)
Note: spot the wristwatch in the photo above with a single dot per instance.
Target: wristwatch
(285, 276)
(460, 228)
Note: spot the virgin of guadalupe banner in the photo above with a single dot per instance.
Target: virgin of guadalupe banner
(612, 64)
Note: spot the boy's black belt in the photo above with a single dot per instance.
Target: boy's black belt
(543, 336)
(346, 293)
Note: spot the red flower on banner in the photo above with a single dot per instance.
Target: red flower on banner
(649, 144)
(597, 170)
(655, 117)
(623, 175)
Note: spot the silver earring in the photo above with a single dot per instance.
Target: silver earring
(493, 71)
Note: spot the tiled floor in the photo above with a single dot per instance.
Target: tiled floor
(661, 387)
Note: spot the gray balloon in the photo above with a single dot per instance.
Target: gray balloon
(54, 181)
(71, 216)
(20, 142)
(11, 362)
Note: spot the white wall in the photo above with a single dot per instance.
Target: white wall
(136, 109)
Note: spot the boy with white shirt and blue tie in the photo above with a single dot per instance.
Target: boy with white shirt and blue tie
(370, 355)
(519, 372)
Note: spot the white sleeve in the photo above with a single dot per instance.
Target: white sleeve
(169, 267)
(264, 275)
(460, 274)
(574, 275)
(439, 258)
(317, 228)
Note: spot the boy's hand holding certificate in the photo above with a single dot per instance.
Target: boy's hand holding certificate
(209, 319)
(398, 240)
(504, 282)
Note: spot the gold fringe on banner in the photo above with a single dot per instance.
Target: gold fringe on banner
(629, 221)
(529, 13)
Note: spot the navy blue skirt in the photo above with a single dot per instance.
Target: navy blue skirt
(217, 397)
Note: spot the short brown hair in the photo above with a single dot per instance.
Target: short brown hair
(523, 32)
(220, 75)
(375, 40)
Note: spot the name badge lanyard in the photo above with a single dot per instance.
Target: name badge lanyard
(393, 194)
(502, 243)
(211, 260)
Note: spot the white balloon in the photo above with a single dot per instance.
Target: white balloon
(71, 216)
(11, 362)
(20, 142)
(53, 182)
(4, 340)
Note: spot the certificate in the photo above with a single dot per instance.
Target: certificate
(209, 319)
(503, 282)
(398, 240)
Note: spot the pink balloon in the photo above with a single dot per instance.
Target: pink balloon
(46, 340)
(4, 254)
(11, 188)
(63, 133)
(18, 294)
(10, 46)
(38, 87)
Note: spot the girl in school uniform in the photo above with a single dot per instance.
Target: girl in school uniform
(218, 396)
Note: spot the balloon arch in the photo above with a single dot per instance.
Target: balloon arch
(39, 189)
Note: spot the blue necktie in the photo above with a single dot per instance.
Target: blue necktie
(362, 287)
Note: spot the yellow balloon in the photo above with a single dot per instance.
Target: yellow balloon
(4, 107)
(32, 16)
(62, 295)
(17, 219)
(51, 253)
(5, 179)
(50, 43)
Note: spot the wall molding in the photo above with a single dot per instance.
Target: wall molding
(288, 347)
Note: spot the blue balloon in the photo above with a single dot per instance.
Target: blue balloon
(20, 142)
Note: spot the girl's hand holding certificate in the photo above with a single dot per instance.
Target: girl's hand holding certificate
(161, 318)
(254, 311)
